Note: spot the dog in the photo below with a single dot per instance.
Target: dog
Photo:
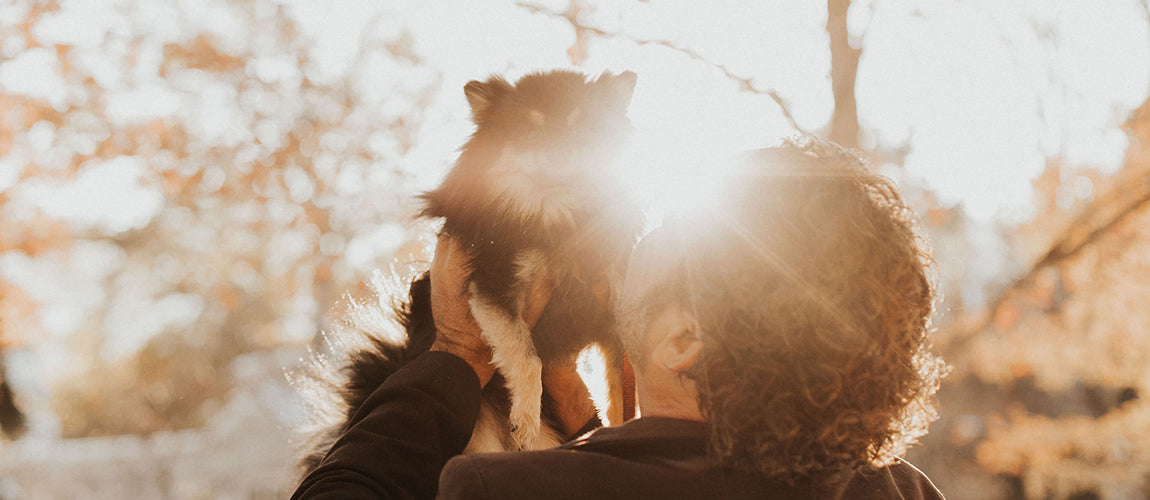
(532, 195)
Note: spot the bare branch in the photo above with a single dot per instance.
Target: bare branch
(1130, 198)
(745, 84)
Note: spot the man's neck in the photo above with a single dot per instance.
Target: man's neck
(677, 400)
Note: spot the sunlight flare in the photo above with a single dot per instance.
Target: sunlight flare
(667, 177)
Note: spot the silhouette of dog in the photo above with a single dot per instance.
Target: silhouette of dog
(532, 194)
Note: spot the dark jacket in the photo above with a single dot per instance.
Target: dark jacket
(422, 416)
(397, 443)
(656, 458)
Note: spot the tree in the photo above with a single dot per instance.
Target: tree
(255, 175)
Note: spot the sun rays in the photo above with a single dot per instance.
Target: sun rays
(666, 177)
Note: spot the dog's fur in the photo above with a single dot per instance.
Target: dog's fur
(531, 196)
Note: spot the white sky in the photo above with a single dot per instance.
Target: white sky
(983, 91)
(982, 99)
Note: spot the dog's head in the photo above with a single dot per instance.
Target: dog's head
(543, 147)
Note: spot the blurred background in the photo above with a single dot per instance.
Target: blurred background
(190, 190)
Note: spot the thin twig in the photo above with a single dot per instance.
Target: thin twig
(745, 84)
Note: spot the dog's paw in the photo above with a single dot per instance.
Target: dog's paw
(545, 438)
(526, 395)
(526, 435)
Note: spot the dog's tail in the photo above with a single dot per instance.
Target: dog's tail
(377, 338)
(367, 368)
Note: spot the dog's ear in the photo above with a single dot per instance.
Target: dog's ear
(617, 88)
(482, 96)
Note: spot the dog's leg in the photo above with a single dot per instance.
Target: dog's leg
(514, 356)
(490, 433)
(548, 438)
(613, 370)
(513, 352)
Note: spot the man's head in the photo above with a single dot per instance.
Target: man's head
(794, 313)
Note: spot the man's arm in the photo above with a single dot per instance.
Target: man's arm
(400, 439)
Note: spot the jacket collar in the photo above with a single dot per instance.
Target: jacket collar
(667, 441)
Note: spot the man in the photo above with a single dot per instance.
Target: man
(779, 349)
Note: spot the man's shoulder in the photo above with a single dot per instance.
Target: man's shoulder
(912, 482)
(900, 479)
(555, 473)
(563, 473)
(656, 459)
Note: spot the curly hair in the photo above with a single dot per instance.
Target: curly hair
(813, 292)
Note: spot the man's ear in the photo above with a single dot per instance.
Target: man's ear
(483, 95)
(679, 350)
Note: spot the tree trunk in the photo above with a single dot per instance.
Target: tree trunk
(844, 68)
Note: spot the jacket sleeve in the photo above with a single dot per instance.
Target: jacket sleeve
(461, 478)
(398, 442)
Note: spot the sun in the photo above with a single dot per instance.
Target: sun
(666, 177)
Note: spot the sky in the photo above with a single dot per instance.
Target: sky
(984, 92)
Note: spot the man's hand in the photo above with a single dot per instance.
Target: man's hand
(456, 331)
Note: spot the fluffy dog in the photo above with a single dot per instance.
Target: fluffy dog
(531, 195)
